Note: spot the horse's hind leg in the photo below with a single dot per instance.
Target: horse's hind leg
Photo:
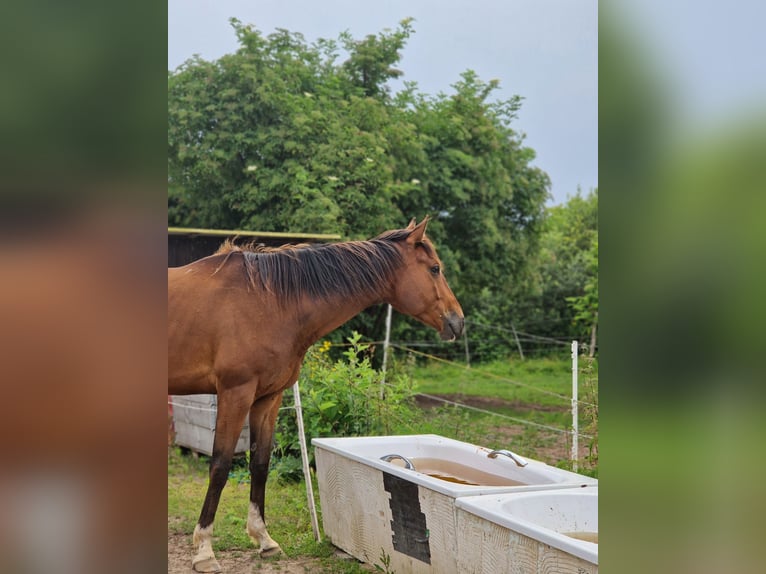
(263, 417)
(232, 409)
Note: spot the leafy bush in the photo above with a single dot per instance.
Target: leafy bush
(590, 414)
(344, 397)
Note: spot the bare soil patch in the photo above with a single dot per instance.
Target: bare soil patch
(248, 562)
(484, 402)
(236, 561)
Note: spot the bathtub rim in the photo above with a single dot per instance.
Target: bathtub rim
(483, 508)
(335, 445)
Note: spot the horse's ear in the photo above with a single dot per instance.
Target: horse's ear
(418, 231)
(411, 226)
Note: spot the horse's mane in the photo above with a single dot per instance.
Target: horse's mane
(320, 271)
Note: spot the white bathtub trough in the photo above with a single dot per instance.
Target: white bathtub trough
(372, 508)
(525, 531)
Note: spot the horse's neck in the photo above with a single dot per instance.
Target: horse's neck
(319, 318)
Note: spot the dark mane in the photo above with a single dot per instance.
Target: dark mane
(321, 271)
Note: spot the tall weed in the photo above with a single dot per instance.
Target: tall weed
(342, 397)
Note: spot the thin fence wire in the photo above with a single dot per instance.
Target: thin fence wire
(490, 375)
(559, 341)
(407, 347)
(501, 415)
(213, 410)
(461, 350)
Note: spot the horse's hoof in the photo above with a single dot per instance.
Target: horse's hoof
(207, 565)
(271, 552)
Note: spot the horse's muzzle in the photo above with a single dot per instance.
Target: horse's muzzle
(452, 326)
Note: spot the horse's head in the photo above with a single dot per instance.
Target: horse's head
(421, 290)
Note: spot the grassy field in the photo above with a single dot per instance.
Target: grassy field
(529, 382)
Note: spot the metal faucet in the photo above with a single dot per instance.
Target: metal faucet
(514, 457)
(407, 464)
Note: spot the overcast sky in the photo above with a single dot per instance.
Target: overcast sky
(542, 50)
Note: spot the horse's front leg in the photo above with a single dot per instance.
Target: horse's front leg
(263, 417)
(232, 410)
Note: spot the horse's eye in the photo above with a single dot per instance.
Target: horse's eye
(435, 269)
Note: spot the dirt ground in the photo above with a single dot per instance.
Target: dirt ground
(234, 561)
(242, 562)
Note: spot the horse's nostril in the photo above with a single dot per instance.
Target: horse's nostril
(456, 324)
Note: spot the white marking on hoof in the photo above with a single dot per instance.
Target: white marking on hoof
(204, 560)
(256, 528)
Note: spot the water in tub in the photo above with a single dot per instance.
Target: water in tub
(457, 473)
(587, 536)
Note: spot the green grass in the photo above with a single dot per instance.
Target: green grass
(534, 389)
(287, 513)
(527, 381)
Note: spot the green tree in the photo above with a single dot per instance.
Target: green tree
(476, 175)
(566, 303)
(277, 137)
(286, 136)
(371, 61)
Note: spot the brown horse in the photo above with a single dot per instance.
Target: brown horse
(241, 321)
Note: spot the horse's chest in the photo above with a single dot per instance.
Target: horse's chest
(272, 368)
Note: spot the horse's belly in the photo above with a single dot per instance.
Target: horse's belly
(190, 386)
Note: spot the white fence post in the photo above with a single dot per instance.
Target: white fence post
(386, 344)
(465, 340)
(575, 425)
(518, 343)
(305, 461)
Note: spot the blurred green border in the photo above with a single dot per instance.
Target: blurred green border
(682, 212)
